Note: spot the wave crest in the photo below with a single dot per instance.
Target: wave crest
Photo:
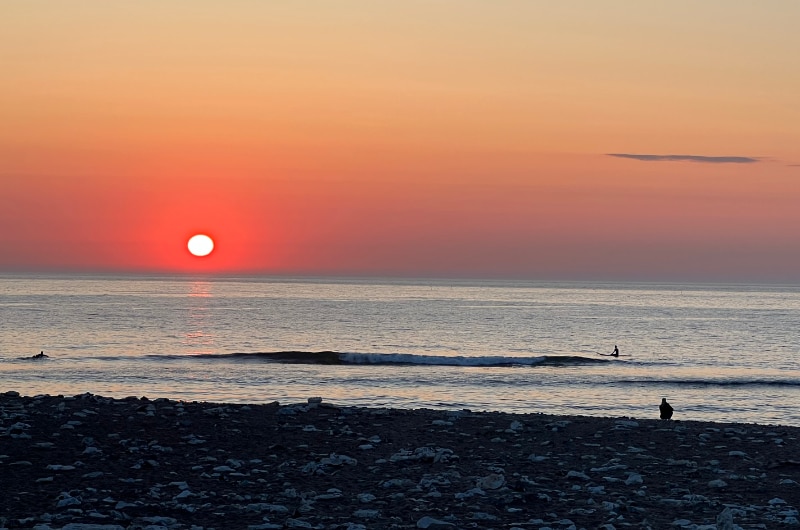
(344, 358)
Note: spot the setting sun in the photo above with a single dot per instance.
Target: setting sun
(201, 245)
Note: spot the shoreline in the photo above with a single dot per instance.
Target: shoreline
(128, 463)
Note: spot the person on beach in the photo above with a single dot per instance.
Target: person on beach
(665, 409)
(615, 353)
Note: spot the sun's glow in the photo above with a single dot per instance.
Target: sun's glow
(201, 245)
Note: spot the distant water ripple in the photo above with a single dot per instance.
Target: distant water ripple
(720, 353)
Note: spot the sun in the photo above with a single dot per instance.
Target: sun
(200, 245)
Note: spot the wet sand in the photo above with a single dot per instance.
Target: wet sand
(94, 463)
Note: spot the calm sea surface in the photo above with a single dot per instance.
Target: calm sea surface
(718, 353)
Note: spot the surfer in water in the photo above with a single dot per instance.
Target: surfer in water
(615, 353)
(39, 355)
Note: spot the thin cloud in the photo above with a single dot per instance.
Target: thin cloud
(689, 158)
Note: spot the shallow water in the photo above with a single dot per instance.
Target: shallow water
(717, 353)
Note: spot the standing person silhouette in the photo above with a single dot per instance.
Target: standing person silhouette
(665, 409)
(615, 353)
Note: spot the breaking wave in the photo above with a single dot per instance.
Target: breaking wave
(343, 358)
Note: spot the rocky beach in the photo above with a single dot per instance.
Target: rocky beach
(89, 462)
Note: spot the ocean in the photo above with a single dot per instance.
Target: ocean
(725, 353)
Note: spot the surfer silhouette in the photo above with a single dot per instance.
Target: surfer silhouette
(615, 353)
(39, 355)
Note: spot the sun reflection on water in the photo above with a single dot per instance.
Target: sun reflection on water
(198, 338)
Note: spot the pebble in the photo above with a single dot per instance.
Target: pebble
(207, 467)
(83, 526)
(491, 482)
(633, 479)
(430, 522)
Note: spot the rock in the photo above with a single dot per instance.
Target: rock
(397, 483)
(633, 479)
(610, 506)
(366, 514)
(338, 460)
(297, 523)
(67, 500)
(142, 466)
(491, 482)
(365, 497)
(606, 469)
(331, 495)
(85, 526)
(578, 474)
(470, 493)
(161, 521)
(313, 468)
(430, 522)
(423, 453)
(725, 519)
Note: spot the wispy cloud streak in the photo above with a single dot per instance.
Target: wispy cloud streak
(689, 158)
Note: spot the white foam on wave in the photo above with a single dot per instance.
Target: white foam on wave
(438, 360)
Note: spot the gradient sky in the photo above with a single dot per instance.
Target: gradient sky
(614, 140)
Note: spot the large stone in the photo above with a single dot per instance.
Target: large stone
(430, 522)
(89, 526)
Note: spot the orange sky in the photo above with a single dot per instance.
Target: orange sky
(451, 138)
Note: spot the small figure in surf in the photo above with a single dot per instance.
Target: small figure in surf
(615, 353)
(39, 355)
(665, 409)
